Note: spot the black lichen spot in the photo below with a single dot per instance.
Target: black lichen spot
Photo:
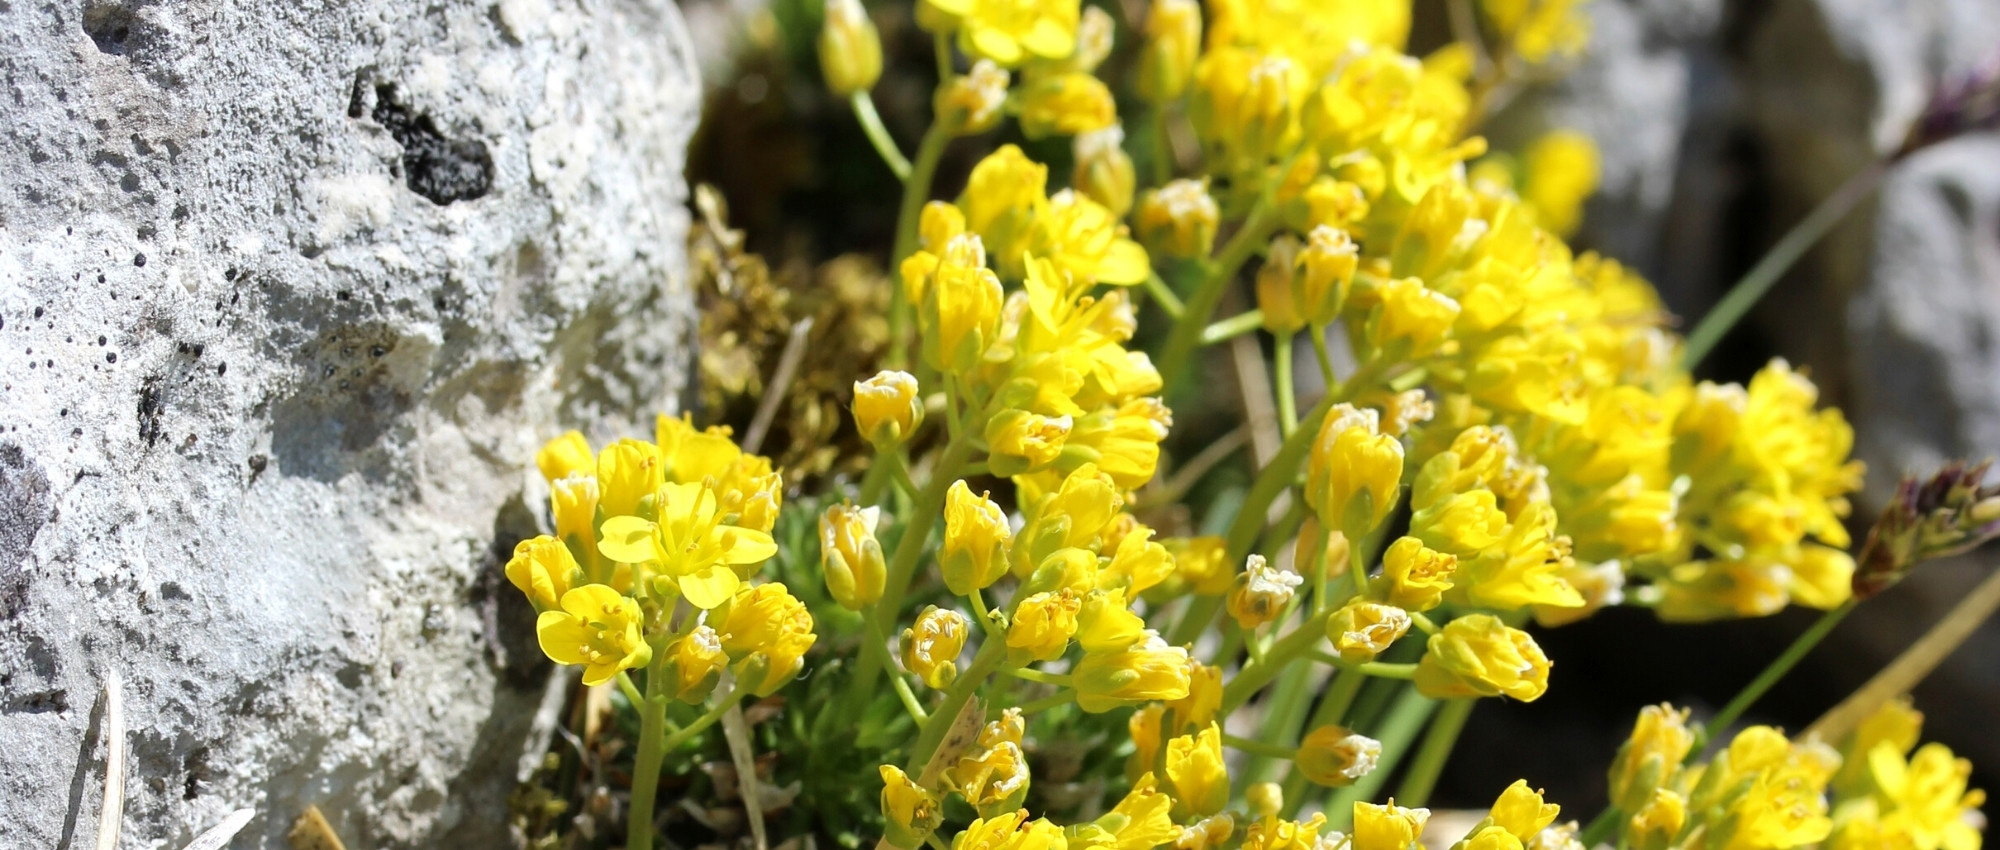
(357, 96)
(152, 402)
(258, 463)
(440, 169)
(139, 260)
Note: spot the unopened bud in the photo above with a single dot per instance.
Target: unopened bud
(1326, 268)
(855, 570)
(1275, 290)
(1261, 593)
(970, 104)
(1104, 171)
(850, 51)
(1173, 43)
(887, 407)
(1066, 105)
(1335, 756)
(1178, 220)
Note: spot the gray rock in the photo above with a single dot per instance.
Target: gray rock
(289, 294)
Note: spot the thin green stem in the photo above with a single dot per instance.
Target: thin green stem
(631, 692)
(1059, 698)
(1778, 668)
(1258, 748)
(1754, 285)
(1285, 710)
(942, 45)
(1185, 337)
(706, 720)
(1060, 680)
(1600, 827)
(1288, 391)
(879, 474)
(916, 190)
(1161, 293)
(1254, 676)
(1275, 478)
(1325, 360)
(1332, 709)
(652, 751)
(909, 698)
(1195, 620)
(1377, 669)
(1406, 718)
(1232, 327)
(1163, 151)
(878, 643)
(878, 135)
(1432, 754)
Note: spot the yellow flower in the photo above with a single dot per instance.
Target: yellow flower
(1178, 219)
(1521, 811)
(1388, 826)
(1197, 779)
(1147, 670)
(1086, 241)
(850, 51)
(1539, 30)
(597, 628)
(1410, 320)
(1461, 524)
(1651, 757)
(1490, 838)
(1335, 756)
(1066, 105)
(1261, 593)
(1361, 630)
(969, 104)
(767, 631)
(850, 556)
(1144, 727)
(976, 535)
(1656, 823)
(1204, 698)
(1477, 655)
(1211, 833)
(1137, 562)
(1274, 833)
(992, 833)
(993, 775)
(573, 503)
(1173, 43)
(1201, 565)
(1104, 623)
(1926, 797)
(1414, 576)
(1896, 723)
(1103, 170)
(1043, 625)
(1277, 290)
(543, 569)
(1245, 105)
(628, 471)
(1021, 442)
(1353, 472)
(692, 546)
(695, 661)
(1011, 32)
(931, 646)
(565, 456)
(909, 812)
(961, 316)
(1140, 821)
(1326, 268)
(887, 407)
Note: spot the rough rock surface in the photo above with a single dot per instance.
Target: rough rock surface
(289, 293)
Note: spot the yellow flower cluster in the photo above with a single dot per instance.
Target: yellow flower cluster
(641, 526)
(1763, 792)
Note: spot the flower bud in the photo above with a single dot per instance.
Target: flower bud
(1094, 32)
(1210, 833)
(1104, 623)
(1415, 577)
(1326, 268)
(1354, 471)
(909, 812)
(1651, 757)
(544, 570)
(564, 456)
(1266, 800)
(1103, 169)
(1478, 656)
(1022, 442)
(1173, 42)
(1276, 294)
(1411, 319)
(1335, 203)
(1042, 626)
(1177, 220)
(767, 631)
(1066, 105)
(850, 51)
(1261, 593)
(1335, 757)
(1658, 822)
(1148, 670)
(1197, 779)
(976, 534)
(1361, 630)
(695, 661)
(970, 104)
(850, 555)
(1204, 697)
(1387, 825)
(887, 407)
(961, 316)
(931, 646)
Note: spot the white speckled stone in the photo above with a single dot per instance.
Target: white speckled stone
(267, 412)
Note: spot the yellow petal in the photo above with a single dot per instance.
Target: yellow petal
(1125, 263)
(628, 540)
(745, 545)
(561, 636)
(994, 45)
(1049, 40)
(709, 588)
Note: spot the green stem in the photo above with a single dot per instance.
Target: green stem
(1275, 478)
(631, 692)
(1186, 335)
(1258, 748)
(652, 751)
(1600, 827)
(878, 135)
(1060, 680)
(706, 720)
(1752, 287)
(1436, 749)
(1325, 360)
(1286, 709)
(1288, 393)
(916, 190)
(1163, 152)
(877, 643)
(1332, 709)
(1200, 612)
(1157, 288)
(1254, 676)
(1405, 719)
(1377, 669)
(878, 477)
(1783, 664)
(1065, 696)
(1232, 327)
